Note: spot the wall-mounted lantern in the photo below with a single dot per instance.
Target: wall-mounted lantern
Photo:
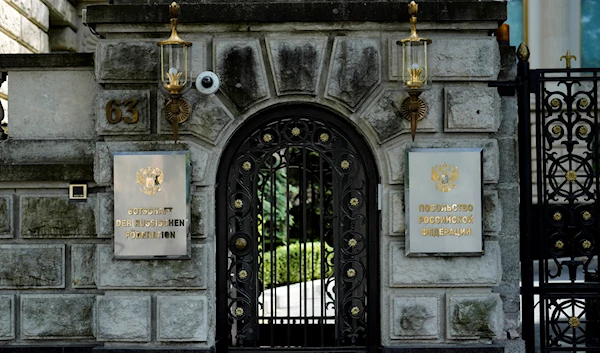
(175, 71)
(414, 68)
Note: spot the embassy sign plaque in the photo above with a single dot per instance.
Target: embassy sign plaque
(444, 213)
(152, 204)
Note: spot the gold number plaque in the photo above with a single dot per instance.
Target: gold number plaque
(114, 114)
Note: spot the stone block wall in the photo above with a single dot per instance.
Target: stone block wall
(24, 26)
(60, 283)
(42, 26)
(64, 250)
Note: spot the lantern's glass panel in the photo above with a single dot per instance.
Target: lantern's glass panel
(414, 65)
(175, 71)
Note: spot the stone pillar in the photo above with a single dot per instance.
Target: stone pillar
(554, 28)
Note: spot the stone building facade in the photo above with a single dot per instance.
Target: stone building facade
(35, 27)
(61, 286)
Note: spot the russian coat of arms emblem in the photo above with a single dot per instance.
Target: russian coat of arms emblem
(149, 180)
(444, 177)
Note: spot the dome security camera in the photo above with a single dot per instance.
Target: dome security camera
(207, 82)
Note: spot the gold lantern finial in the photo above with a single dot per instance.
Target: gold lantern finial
(413, 8)
(174, 10)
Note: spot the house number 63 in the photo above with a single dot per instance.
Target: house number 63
(114, 115)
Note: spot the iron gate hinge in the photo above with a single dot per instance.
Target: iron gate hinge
(505, 88)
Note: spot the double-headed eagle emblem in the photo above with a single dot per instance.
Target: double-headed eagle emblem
(149, 180)
(444, 176)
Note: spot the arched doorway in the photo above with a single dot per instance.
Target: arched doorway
(297, 235)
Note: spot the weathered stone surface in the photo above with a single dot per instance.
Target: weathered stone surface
(509, 292)
(89, 42)
(472, 109)
(415, 317)
(473, 316)
(31, 34)
(10, 19)
(200, 157)
(492, 212)
(105, 215)
(509, 160)
(57, 61)
(63, 39)
(397, 220)
(66, 109)
(41, 14)
(56, 217)
(455, 12)
(83, 259)
(123, 318)
(199, 212)
(355, 70)
(511, 257)
(41, 152)
(509, 120)
(7, 317)
(465, 58)
(6, 216)
(396, 156)
(130, 104)
(62, 316)
(32, 266)
(514, 345)
(160, 274)
(511, 324)
(207, 120)
(296, 63)
(198, 53)
(23, 5)
(508, 195)
(508, 63)
(182, 318)
(455, 58)
(127, 61)
(45, 42)
(385, 118)
(46, 172)
(62, 13)
(445, 271)
(240, 66)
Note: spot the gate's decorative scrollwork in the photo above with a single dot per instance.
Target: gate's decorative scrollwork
(312, 172)
(570, 184)
(568, 188)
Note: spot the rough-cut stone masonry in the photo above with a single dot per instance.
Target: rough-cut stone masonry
(59, 254)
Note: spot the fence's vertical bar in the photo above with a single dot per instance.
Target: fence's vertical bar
(524, 117)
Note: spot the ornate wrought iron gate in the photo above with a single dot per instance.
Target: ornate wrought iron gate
(560, 207)
(297, 235)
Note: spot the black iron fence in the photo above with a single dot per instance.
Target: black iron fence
(560, 208)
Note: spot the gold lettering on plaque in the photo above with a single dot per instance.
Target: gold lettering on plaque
(149, 180)
(444, 176)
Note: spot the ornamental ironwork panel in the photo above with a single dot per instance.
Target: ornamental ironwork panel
(297, 219)
(560, 209)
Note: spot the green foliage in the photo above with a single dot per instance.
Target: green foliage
(278, 197)
(297, 274)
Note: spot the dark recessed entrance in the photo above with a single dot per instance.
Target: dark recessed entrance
(297, 235)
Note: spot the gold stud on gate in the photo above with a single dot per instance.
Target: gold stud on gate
(241, 243)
